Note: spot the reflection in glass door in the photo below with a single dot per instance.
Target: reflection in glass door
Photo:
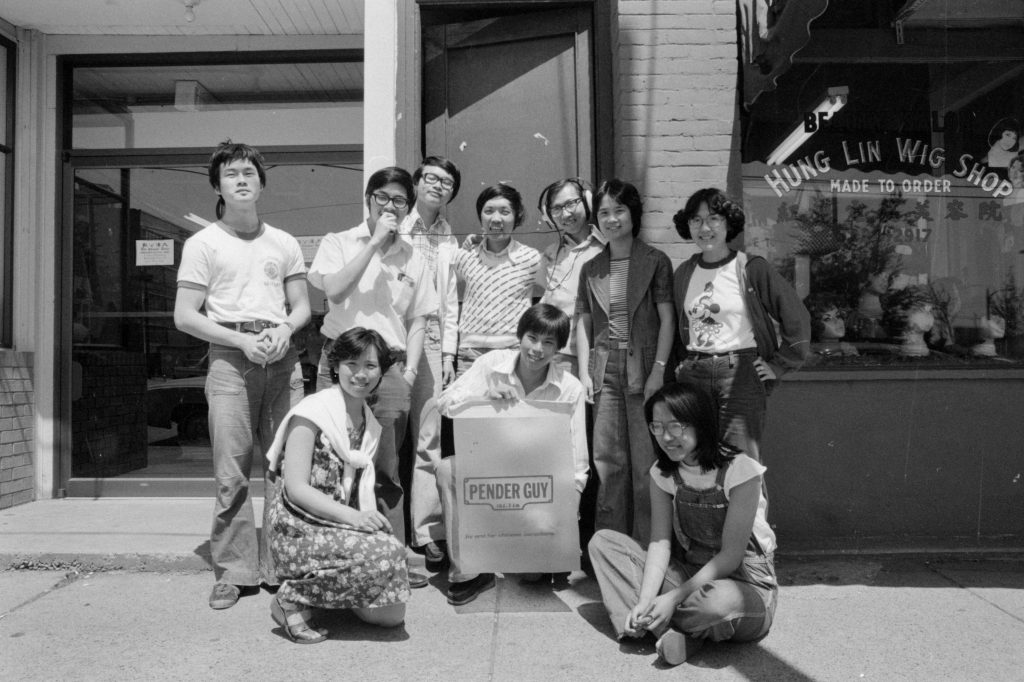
(138, 406)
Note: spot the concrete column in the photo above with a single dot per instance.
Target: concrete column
(35, 237)
(380, 84)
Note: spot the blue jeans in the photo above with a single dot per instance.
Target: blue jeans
(623, 454)
(246, 402)
(741, 396)
(719, 610)
(390, 407)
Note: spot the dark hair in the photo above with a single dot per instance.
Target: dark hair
(228, 152)
(718, 203)
(1001, 126)
(548, 194)
(817, 305)
(353, 343)
(544, 319)
(386, 176)
(691, 404)
(627, 195)
(503, 191)
(447, 166)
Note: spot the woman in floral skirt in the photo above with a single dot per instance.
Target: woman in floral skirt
(333, 549)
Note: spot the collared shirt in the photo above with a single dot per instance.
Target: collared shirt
(426, 240)
(394, 289)
(499, 367)
(559, 275)
(499, 287)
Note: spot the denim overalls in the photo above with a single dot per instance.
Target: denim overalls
(698, 520)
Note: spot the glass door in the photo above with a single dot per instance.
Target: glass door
(138, 413)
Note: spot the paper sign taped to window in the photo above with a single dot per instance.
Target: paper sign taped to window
(516, 500)
(154, 252)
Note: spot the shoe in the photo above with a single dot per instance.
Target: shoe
(559, 581)
(224, 596)
(417, 580)
(674, 647)
(467, 591)
(295, 622)
(435, 557)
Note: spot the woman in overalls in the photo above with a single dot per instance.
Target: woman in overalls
(716, 578)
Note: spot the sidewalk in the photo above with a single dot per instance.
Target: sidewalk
(129, 602)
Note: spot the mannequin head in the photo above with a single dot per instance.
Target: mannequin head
(828, 321)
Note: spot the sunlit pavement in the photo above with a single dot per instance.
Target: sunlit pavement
(125, 598)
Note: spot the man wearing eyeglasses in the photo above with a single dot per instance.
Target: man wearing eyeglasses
(437, 182)
(375, 280)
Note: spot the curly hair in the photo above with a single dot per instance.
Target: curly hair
(718, 203)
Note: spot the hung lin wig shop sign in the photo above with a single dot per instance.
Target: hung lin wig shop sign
(941, 188)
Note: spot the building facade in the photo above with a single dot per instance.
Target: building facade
(874, 146)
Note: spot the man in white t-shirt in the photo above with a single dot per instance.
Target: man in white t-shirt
(251, 277)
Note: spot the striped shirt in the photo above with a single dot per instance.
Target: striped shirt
(498, 291)
(618, 310)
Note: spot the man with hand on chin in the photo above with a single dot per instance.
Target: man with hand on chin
(375, 280)
(252, 279)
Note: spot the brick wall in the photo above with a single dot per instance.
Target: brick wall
(676, 117)
(17, 399)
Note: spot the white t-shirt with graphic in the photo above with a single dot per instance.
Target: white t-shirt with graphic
(717, 310)
(243, 278)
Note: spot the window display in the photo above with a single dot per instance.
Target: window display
(889, 188)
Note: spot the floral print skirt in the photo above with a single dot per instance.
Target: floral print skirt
(333, 566)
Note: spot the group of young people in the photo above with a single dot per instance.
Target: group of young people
(677, 367)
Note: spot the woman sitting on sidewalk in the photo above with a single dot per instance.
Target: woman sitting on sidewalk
(333, 549)
(718, 582)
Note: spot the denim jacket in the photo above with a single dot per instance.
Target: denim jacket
(650, 283)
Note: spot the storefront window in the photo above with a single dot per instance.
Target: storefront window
(157, 106)
(139, 136)
(885, 175)
(7, 83)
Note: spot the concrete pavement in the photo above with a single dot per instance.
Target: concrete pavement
(126, 599)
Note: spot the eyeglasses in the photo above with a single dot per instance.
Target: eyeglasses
(434, 179)
(676, 429)
(714, 221)
(567, 207)
(382, 199)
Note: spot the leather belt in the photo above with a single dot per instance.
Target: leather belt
(252, 327)
(616, 344)
(699, 355)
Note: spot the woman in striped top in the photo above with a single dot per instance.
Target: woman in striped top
(625, 327)
(498, 274)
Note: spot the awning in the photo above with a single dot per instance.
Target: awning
(771, 32)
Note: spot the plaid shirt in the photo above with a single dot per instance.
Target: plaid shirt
(426, 240)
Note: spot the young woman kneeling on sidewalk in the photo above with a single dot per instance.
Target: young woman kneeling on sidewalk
(332, 547)
(716, 579)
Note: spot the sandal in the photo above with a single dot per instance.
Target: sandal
(295, 622)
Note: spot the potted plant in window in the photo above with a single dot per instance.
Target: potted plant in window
(1007, 302)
